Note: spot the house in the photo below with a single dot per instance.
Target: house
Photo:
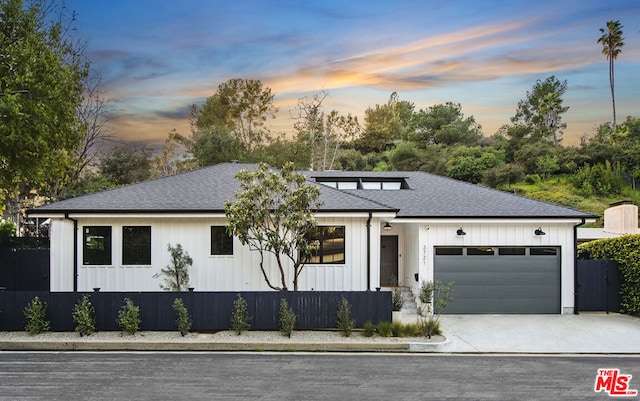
(504, 253)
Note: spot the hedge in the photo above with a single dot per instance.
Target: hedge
(626, 251)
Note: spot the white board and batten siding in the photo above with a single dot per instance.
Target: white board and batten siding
(237, 272)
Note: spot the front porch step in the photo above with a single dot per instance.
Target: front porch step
(410, 306)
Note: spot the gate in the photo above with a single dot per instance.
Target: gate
(24, 269)
(598, 286)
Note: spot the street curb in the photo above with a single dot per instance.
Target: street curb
(203, 346)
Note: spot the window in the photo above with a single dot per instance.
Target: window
(347, 185)
(136, 245)
(448, 251)
(543, 251)
(511, 251)
(96, 248)
(340, 184)
(221, 242)
(480, 251)
(327, 244)
(371, 185)
(391, 185)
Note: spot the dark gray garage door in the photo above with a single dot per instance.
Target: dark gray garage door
(500, 279)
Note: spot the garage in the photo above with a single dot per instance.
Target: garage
(500, 279)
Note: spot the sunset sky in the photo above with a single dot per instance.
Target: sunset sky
(157, 58)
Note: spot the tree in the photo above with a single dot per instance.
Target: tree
(41, 76)
(324, 134)
(534, 157)
(176, 274)
(309, 121)
(240, 105)
(470, 163)
(503, 174)
(169, 161)
(540, 114)
(281, 151)
(548, 109)
(384, 124)
(612, 43)
(215, 144)
(273, 213)
(125, 165)
(443, 124)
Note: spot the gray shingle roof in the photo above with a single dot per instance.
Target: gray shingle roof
(206, 190)
(203, 190)
(435, 196)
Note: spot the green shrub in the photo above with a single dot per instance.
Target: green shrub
(409, 330)
(7, 229)
(397, 302)
(601, 179)
(287, 318)
(384, 329)
(129, 317)
(84, 316)
(396, 328)
(532, 179)
(35, 315)
(183, 320)
(344, 319)
(399, 329)
(368, 330)
(430, 326)
(240, 315)
(625, 251)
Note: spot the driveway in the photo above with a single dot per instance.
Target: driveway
(583, 333)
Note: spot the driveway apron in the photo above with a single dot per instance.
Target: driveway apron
(583, 333)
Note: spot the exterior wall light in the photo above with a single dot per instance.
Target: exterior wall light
(539, 231)
(460, 232)
(387, 227)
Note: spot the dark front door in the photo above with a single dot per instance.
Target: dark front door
(388, 260)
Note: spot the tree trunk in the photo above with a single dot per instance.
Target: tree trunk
(613, 97)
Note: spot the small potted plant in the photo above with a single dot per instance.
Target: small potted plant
(397, 301)
(425, 296)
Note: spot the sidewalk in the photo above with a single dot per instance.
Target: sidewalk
(521, 334)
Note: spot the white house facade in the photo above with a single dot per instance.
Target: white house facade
(504, 253)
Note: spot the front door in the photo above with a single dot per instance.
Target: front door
(388, 260)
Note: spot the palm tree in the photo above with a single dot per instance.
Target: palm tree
(549, 108)
(612, 42)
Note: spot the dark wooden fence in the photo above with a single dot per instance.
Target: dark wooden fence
(598, 286)
(210, 311)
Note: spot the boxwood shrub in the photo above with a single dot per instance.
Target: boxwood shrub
(626, 251)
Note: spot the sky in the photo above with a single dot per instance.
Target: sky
(157, 58)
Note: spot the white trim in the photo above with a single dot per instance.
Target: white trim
(362, 215)
(497, 220)
(146, 215)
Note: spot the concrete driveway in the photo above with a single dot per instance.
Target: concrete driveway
(584, 333)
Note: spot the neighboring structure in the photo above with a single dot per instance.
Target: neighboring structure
(620, 219)
(505, 253)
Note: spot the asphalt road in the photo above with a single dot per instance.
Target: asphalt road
(282, 376)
